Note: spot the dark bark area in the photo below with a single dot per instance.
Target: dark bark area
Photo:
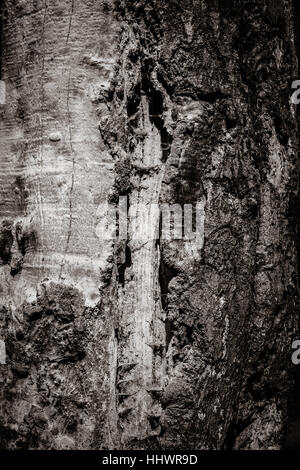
(188, 343)
(293, 428)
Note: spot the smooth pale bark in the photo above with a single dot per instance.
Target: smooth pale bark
(57, 58)
(158, 344)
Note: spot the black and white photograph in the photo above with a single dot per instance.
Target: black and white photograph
(149, 229)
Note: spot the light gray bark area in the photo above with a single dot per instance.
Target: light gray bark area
(165, 344)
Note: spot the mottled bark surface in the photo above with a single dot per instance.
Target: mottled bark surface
(164, 344)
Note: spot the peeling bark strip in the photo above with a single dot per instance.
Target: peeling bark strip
(160, 344)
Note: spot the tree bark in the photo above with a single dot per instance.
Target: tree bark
(156, 344)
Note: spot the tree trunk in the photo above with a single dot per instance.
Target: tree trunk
(132, 342)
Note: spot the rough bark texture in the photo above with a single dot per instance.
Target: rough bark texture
(164, 344)
(293, 429)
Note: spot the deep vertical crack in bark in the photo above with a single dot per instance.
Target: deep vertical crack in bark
(141, 319)
(142, 341)
(70, 20)
(72, 154)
